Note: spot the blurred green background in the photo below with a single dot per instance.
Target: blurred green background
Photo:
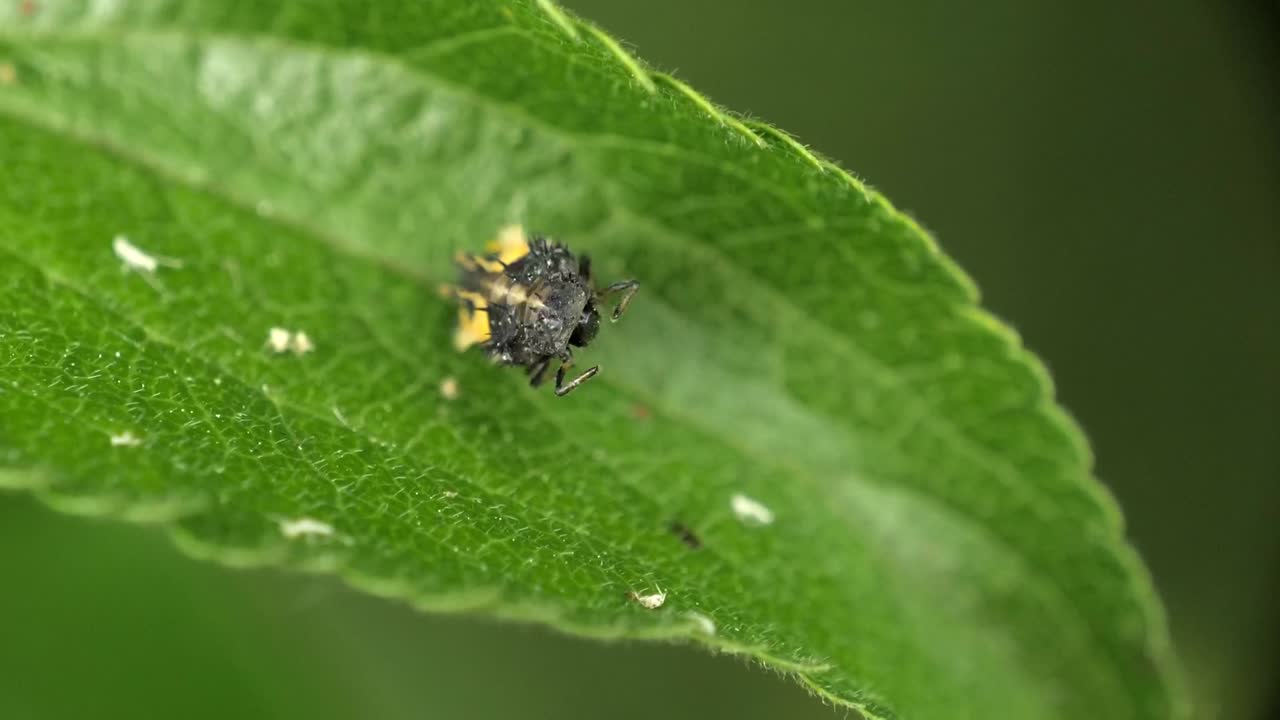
(1108, 173)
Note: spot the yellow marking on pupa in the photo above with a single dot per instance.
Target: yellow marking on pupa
(510, 245)
(505, 291)
(473, 326)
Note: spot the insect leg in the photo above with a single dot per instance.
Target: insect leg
(628, 288)
(538, 370)
(566, 361)
(584, 267)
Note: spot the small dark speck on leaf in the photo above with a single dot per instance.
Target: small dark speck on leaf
(686, 535)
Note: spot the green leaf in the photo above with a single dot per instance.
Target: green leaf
(937, 545)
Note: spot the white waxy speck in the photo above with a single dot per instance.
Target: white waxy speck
(650, 602)
(281, 340)
(135, 259)
(132, 257)
(302, 344)
(305, 527)
(750, 511)
(706, 625)
(449, 388)
(278, 339)
(125, 439)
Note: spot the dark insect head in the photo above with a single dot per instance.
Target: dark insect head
(588, 326)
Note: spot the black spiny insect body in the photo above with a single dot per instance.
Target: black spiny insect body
(538, 306)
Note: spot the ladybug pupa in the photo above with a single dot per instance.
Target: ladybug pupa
(529, 306)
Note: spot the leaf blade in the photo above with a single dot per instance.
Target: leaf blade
(495, 147)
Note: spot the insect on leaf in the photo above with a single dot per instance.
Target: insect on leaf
(224, 227)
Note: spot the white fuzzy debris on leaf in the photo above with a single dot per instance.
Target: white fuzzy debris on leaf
(125, 439)
(278, 339)
(281, 340)
(650, 602)
(305, 526)
(133, 257)
(706, 625)
(301, 344)
(750, 511)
